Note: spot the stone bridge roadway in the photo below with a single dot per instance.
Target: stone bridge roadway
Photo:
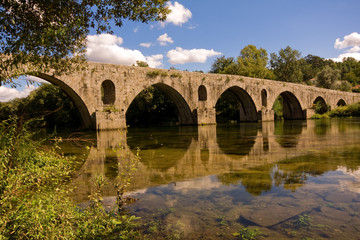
(195, 94)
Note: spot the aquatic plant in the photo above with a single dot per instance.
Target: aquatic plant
(247, 233)
(303, 220)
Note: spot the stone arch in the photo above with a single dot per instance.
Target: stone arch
(341, 102)
(86, 120)
(108, 96)
(248, 112)
(291, 106)
(320, 105)
(263, 98)
(183, 110)
(202, 93)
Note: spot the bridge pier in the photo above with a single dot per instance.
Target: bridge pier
(110, 120)
(205, 114)
(266, 114)
(309, 112)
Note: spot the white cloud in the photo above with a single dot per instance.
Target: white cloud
(340, 58)
(164, 39)
(155, 60)
(106, 48)
(7, 94)
(351, 40)
(178, 15)
(147, 45)
(182, 56)
(354, 49)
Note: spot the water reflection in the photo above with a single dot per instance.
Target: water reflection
(253, 174)
(287, 132)
(161, 148)
(237, 139)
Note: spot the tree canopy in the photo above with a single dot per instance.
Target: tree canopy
(52, 34)
(252, 62)
(286, 65)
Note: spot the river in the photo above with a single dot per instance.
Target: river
(288, 180)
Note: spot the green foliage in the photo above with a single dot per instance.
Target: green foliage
(350, 70)
(286, 65)
(320, 107)
(34, 197)
(303, 221)
(327, 77)
(222, 220)
(176, 75)
(48, 103)
(352, 110)
(42, 35)
(111, 108)
(227, 108)
(311, 65)
(278, 108)
(221, 65)
(247, 233)
(252, 62)
(151, 106)
(343, 86)
(153, 74)
(142, 64)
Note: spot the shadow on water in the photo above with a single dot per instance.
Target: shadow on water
(237, 139)
(161, 147)
(287, 132)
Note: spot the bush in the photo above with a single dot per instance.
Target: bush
(34, 197)
(352, 110)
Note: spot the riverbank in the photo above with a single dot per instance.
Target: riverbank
(352, 110)
(35, 198)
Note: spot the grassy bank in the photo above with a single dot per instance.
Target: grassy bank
(34, 194)
(352, 110)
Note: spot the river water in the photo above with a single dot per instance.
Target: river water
(288, 180)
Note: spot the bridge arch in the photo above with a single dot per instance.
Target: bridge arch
(86, 119)
(185, 116)
(291, 106)
(320, 105)
(341, 103)
(247, 111)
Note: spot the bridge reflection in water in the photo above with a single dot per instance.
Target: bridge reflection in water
(173, 154)
(267, 175)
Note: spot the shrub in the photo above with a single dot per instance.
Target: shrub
(34, 197)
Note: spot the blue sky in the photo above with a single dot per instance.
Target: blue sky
(199, 31)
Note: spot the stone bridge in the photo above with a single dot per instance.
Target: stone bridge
(102, 87)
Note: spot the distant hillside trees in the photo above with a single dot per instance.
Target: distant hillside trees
(287, 65)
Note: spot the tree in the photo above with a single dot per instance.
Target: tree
(48, 103)
(327, 77)
(221, 65)
(252, 62)
(286, 65)
(311, 65)
(350, 70)
(41, 35)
